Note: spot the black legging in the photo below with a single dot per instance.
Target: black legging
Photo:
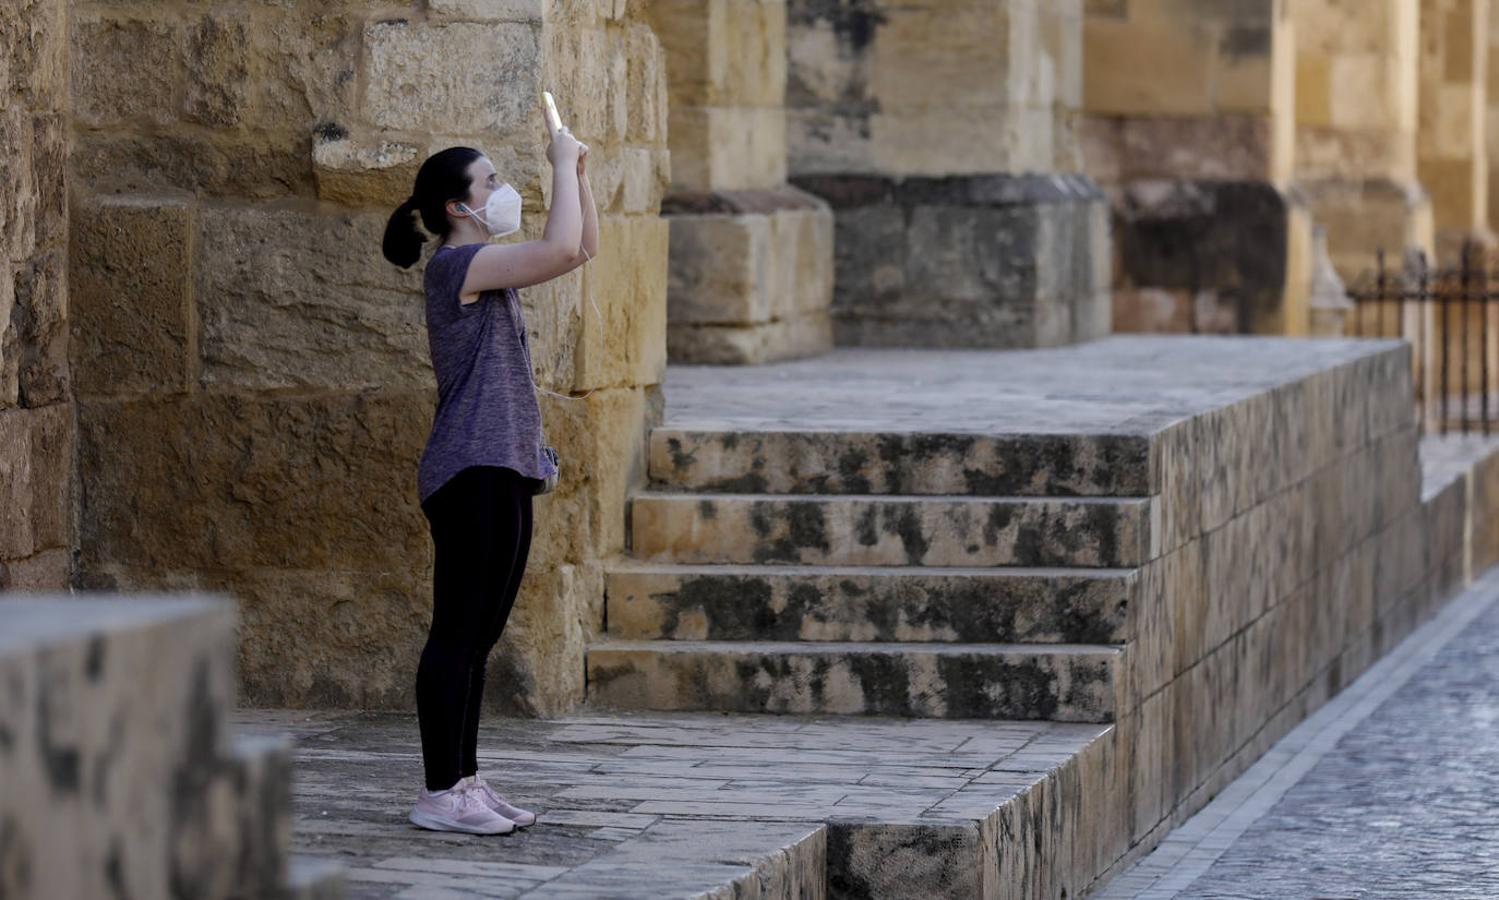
(481, 530)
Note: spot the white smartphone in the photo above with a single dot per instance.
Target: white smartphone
(551, 105)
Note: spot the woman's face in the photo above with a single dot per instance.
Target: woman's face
(483, 180)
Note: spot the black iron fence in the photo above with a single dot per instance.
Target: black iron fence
(1447, 313)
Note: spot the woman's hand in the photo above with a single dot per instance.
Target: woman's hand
(562, 148)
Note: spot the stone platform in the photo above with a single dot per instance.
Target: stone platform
(688, 805)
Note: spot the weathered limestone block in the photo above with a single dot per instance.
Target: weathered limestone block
(50, 472)
(292, 297)
(48, 570)
(836, 462)
(1189, 125)
(461, 77)
(1450, 154)
(127, 71)
(213, 163)
(628, 284)
(536, 665)
(319, 482)
(359, 174)
(969, 606)
(869, 88)
(1201, 256)
(18, 188)
(751, 276)
(40, 310)
(725, 71)
(117, 724)
(1363, 217)
(983, 261)
(864, 531)
(1069, 684)
(131, 295)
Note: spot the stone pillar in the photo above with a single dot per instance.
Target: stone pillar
(943, 132)
(255, 387)
(1190, 129)
(36, 395)
(1450, 153)
(751, 267)
(1356, 117)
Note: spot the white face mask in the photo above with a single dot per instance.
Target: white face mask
(501, 211)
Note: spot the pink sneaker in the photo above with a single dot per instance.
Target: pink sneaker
(458, 809)
(497, 802)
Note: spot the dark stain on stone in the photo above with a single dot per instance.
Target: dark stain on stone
(15, 858)
(806, 528)
(707, 511)
(329, 131)
(198, 765)
(1241, 41)
(114, 873)
(851, 463)
(1026, 690)
(999, 518)
(736, 607)
(59, 760)
(866, 529)
(1102, 522)
(748, 483)
(680, 459)
(853, 21)
(886, 682)
(907, 525)
(93, 662)
(729, 440)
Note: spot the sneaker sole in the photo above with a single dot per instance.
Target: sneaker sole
(433, 823)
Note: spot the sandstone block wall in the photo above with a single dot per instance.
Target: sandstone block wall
(37, 531)
(938, 130)
(254, 386)
(751, 274)
(1357, 112)
(1190, 127)
(1451, 155)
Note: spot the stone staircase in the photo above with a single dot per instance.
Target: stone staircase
(122, 775)
(963, 576)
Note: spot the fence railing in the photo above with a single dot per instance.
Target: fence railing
(1447, 313)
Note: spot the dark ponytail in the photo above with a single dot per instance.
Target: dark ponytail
(443, 177)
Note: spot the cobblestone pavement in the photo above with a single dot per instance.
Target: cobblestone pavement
(1401, 800)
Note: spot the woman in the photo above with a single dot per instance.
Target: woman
(483, 459)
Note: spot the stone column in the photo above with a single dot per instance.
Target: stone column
(36, 394)
(1450, 153)
(1356, 117)
(255, 387)
(1190, 129)
(751, 267)
(943, 134)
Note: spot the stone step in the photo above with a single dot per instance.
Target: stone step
(876, 530)
(707, 459)
(313, 878)
(1062, 682)
(645, 601)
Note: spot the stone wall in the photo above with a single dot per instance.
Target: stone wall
(1190, 128)
(1451, 157)
(254, 386)
(939, 131)
(751, 274)
(1357, 68)
(36, 395)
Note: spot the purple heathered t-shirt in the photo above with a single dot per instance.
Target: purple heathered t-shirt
(487, 414)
